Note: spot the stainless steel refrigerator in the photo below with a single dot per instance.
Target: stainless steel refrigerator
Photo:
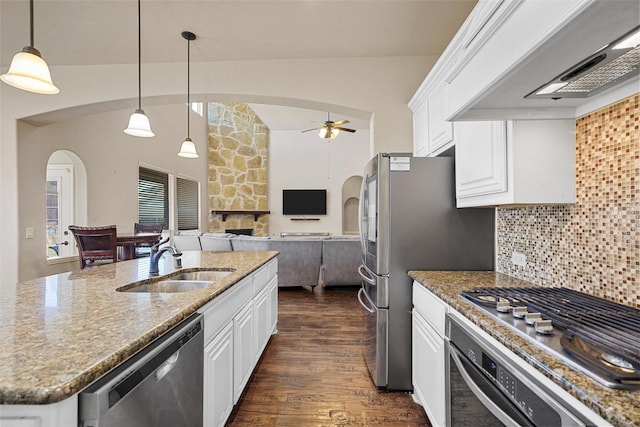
(409, 221)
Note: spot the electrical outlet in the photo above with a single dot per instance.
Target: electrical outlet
(519, 259)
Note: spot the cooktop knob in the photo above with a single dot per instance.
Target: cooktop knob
(532, 318)
(543, 327)
(503, 306)
(519, 312)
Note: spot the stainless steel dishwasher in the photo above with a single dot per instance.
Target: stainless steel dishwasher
(160, 386)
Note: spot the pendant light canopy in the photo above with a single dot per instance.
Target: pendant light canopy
(28, 71)
(188, 148)
(138, 122)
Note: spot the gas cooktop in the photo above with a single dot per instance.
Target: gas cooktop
(598, 337)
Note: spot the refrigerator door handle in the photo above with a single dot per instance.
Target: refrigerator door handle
(364, 274)
(362, 303)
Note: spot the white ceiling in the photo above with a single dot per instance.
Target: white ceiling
(83, 32)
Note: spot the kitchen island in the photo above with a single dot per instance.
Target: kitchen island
(60, 333)
(618, 407)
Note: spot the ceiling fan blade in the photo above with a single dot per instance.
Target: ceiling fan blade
(340, 123)
(345, 129)
(308, 130)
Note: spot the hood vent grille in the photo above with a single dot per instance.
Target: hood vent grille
(602, 70)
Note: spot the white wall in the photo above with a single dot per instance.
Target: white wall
(304, 160)
(382, 86)
(111, 159)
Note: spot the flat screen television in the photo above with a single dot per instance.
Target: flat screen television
(304, 202)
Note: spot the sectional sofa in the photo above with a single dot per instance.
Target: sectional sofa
(303, 261)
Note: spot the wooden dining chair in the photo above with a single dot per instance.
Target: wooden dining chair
(143, 249)
(95, 244)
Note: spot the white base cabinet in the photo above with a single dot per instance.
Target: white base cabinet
(60, 414)
(428, 354)
(218, 378)
(237, 327)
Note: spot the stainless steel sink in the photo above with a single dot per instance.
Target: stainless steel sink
(183, 282)
(206, 275)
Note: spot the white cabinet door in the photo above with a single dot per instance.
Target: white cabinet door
(262, 319)
(515, 162)
(481, 158)
(218, 378)
(273, 305)
(420, 131)
(440, 130)
(243, 353)
(428, 356)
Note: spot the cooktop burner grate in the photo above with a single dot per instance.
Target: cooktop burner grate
(604, 334)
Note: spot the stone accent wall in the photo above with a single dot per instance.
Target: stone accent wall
(594, 245)
(238, 147)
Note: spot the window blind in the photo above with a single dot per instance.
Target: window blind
(153, 197)
(187, 196)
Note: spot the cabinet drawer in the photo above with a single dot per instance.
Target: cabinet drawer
(260, 279)
(432, 308)
(222, 309)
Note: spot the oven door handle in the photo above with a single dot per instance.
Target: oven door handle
(494, 408)
(362, 303)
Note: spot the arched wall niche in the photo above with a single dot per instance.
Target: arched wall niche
(350, 205)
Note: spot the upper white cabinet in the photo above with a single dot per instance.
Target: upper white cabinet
(515, 162)
(439, 129)
(432, 133)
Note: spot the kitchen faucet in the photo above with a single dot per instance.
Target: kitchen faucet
(156, 253)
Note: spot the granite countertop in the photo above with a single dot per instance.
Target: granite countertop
(60, 333)
(619, 407)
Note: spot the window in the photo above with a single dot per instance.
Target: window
(153, 197)
(187, 197)
(167, 199)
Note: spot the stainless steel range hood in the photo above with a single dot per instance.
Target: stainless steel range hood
(613, 64)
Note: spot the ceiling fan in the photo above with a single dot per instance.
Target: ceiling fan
(329, 129)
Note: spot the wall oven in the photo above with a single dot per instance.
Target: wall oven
(486, 387)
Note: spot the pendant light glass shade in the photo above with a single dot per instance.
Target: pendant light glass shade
(138, 122)
(188, 149)
(28, 71)
(139, 125)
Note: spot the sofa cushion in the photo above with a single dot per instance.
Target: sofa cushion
(187, 241)
(219, 242)
(341, 257)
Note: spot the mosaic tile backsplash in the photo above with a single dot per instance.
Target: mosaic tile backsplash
(592, 246)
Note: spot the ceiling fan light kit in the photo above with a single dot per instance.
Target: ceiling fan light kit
(329, 129)
(28, 71)
(188, 148)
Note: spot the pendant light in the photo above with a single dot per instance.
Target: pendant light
(28, 71)
(188, 148)
(138, 122)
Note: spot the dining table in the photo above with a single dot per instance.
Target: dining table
(127, 243)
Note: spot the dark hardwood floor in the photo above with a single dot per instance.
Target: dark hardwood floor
(313, 372)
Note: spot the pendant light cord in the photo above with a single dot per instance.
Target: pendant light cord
(139, 60)
(188, 83)
(31, 22)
